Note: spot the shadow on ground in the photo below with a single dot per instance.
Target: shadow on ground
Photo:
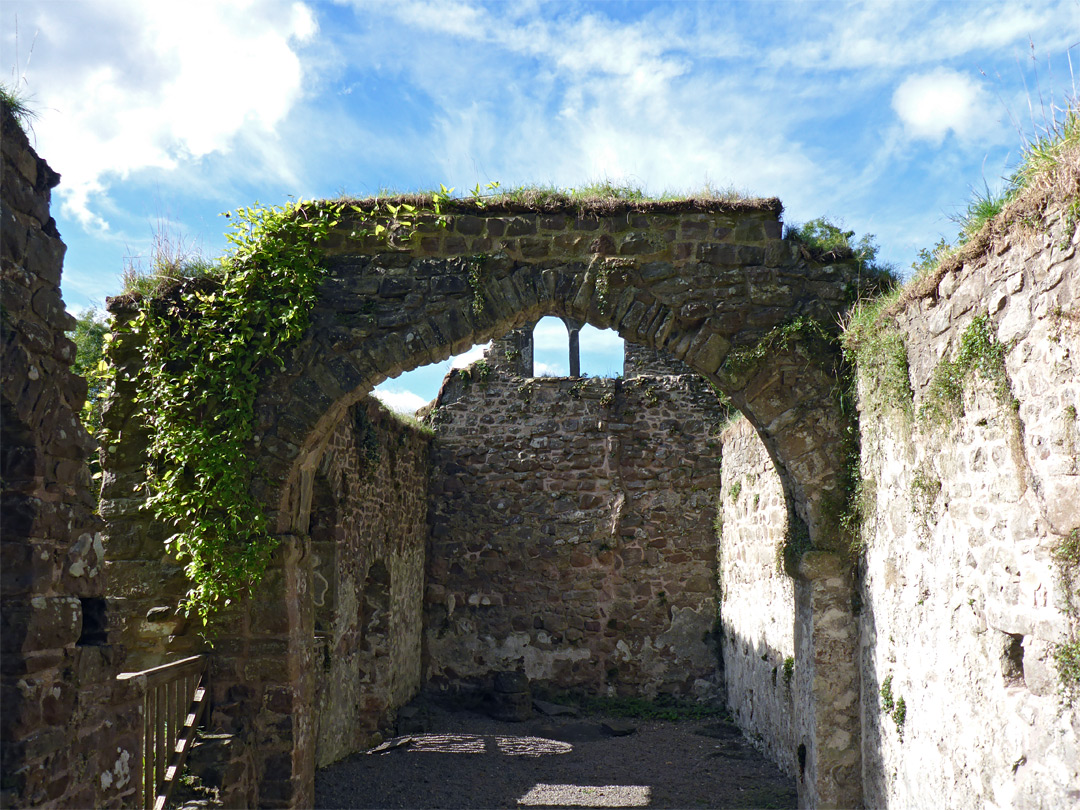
(468, 760)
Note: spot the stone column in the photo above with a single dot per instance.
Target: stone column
(826, 684)
(262, 678)
(574, 328)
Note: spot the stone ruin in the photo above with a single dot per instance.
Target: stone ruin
(618, 536)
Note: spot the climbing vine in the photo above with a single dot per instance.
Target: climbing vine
(476, 265)
(846, 507)
(205, 342)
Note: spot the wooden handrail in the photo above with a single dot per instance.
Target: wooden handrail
(167, 672)
(175, 696)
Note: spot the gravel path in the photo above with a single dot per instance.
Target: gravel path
(468, 760)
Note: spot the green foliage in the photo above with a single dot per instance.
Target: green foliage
(979, 350)
(825, 237)
(924, 491)
(1052, 149)
(479, 371)
(1067, 654)
(736, 488)
(887, 702)
(746, 359)
(1067, 659)
(366, 438)
(899, 715)
(789, 670)
(413, 422)
(1067, 553)
(208, 331)
(172, 259)
(928, 259)
(796, 542)
(90, 335)
(476, 280)
(603, 284)
(205, 342)
(874, 344)
(896, 708)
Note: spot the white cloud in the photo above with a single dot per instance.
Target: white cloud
(895, 35)
(129, 85)
(469, 357)
(548, 370)
(601, 340)
(930, 104)
(400, 401)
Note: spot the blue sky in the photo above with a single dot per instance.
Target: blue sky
(161, 115)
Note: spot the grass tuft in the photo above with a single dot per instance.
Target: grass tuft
(1047, 177)
(19, 105)
(172, 260)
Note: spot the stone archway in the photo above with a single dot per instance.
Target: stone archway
(716, 286)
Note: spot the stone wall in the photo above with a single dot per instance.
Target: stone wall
(368, 535)
(757, 602)
(960, 600)
(70, 734)
(572, 533)
(962, 603)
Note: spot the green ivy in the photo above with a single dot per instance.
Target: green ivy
(745, 359)
(206, 342)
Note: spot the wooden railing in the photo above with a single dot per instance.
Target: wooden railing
(174, 698)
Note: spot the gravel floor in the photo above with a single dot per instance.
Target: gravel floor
(468, 760)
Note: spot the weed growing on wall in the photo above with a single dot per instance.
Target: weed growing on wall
(896, 708)
(925, 489)
(19, 104)
(366, 439)
(827, 239)
(1048, 175)
(875, 345)
(475, 277)
(1067, 654)
(741, 362)
(981, 351)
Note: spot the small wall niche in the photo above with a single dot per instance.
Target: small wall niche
(94, 622)
(1012, 659)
